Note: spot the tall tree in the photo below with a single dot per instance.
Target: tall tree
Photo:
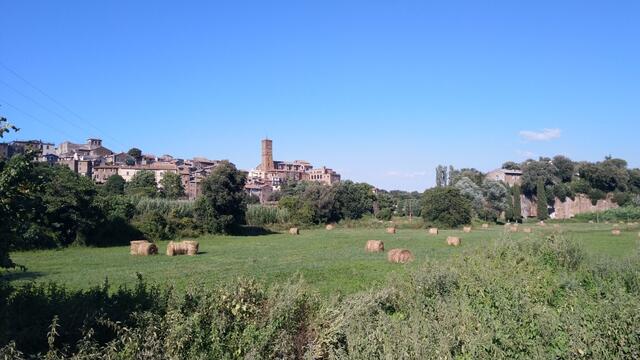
(222, 205)
(517, 208)
(441, 176)
(114, 185)
(143, 183)
(543, 212)
(564, 167)
(171, 186)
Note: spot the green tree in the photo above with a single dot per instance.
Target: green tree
(172, 186)
(517, 207)
(535, 171)
(510, 165)
(543, 212)
(472, 192)
(222, 205)
(135, 153)
(565, 168)
(354, 199)
(446, 206)
(143, 183)
(114, 185)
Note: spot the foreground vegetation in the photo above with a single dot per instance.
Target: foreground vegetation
(533, 296)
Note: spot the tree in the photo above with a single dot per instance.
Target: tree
(114, 185)
(535, 171)
(517, 207)
(543, 212)
(15, 192)
(510, 165)
(608, 175)
(222, 207)
(472, 192)
(446, 206)
(441, 176)
(172, 186)
(354, 199)
(143, 183)
(564, 168)
(496, 198)
(135, 153)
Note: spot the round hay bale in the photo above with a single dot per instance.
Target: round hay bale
(433, 231)
(294, 231)
(485, 226)
(453, 241)
(143, 248)
(466, 229)
(615, 232)
(374, 246)
(399, 256)
(182, 248)
(527, 230)
(330, 227)
(542, 223)
(556, 226)
(590, 221)
(513, 229)
(391, 230)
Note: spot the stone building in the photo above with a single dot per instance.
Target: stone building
(270, 174)
(277, 172)
(511, 177)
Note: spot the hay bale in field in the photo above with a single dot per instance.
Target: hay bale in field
(374, 246)
(527, 230)
(183, 248)
(330, 227)
(466, 229)
(399, 256)
(294, 231)
(485, 226)
(433, 231)
(143, 248)
(607, 222)
(615, 232)
(590, 221)
(513, 229)
(391, 230)
(556, 226)
(453, 241)
(542, 223)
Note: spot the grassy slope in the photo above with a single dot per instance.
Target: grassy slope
(331, 261)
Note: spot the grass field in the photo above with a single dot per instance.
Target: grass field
(330, 261)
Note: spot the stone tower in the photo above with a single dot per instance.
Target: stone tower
(267, 155)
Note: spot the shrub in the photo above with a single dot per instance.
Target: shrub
(259, 215)
(384, 214)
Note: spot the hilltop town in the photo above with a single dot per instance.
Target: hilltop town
(98, 162)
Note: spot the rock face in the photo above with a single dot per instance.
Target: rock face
(567, 209)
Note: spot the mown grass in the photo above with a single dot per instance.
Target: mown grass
(330, 261)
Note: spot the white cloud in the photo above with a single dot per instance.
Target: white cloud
(407, 175)
(544, 135)
(526, 154)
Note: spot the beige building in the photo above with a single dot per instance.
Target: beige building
(278, 172)
(510, 177)
(158, 169)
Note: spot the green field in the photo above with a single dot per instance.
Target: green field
(330, 261)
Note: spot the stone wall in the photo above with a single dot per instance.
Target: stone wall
(569, 208)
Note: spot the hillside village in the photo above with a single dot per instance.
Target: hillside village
(92, 159)
(98, 162)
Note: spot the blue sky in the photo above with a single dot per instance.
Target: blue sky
(380, 91)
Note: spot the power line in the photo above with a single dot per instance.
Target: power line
(52, 99)
(61, 132)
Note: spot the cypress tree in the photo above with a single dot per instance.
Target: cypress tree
(508, 212)
(543, 212)
(517, 208)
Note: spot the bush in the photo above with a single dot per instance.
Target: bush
(259, 215)
(446, 207)
(384, 214)
(516, 299)
(626, 213)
